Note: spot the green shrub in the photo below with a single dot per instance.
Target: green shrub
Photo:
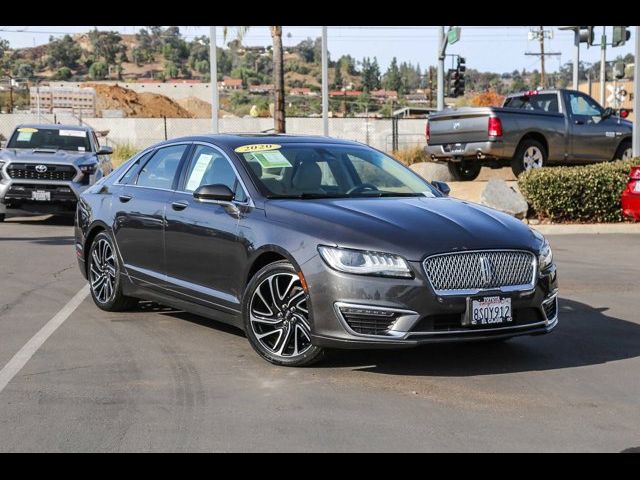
(577, 194)
(122, 153)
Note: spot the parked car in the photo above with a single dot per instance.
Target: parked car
(44, 168)
(344, 248)
(631, 196)
(532, 130)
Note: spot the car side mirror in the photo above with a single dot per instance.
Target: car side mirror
(607, 113)
(442, 187)
(214, 193)
(105, 150)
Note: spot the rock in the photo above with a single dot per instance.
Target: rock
(501, 196)
(432, 171)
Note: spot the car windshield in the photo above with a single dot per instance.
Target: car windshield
(50, 139)
(330, 171)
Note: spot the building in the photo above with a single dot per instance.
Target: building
(261, 89)
(302, 92)
(384, 95)
(80, 102)
(229, 84)
(345, 93)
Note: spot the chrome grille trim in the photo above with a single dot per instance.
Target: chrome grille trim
(461, 273)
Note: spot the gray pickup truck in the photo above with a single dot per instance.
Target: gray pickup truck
(44, 168)
(531, 130)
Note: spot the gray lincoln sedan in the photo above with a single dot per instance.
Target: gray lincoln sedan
(309, 243)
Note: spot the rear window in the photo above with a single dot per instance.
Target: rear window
(50, 139)
(545, 102)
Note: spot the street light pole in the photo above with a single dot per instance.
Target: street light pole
(636, 98)
(576, 61)
(603, 66)
(441, 58)
(213, 65)
(325, 83)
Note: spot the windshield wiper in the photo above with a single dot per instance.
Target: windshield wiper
(305, 196)
(386, 194)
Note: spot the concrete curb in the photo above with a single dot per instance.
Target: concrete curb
(589, 229)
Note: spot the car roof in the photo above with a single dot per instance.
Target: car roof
(236, 140)
(56, 126)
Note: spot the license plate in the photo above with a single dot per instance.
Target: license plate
(489, 311)
(457, 148)
(40, 195)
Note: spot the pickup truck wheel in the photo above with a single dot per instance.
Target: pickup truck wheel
(530, 155)
(625, 151)
(2, 217)
(464, 171)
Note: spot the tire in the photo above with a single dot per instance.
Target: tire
(2, 216)
(103, 271)
(279, 330)
(624, 152)
(530, 155)
(464, 171)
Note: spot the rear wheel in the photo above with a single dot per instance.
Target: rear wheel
(624, 152)
(2, 217)
(464, 171)
(104, 276)
(531, 155)
(277, 314)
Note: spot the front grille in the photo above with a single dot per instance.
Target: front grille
(368, 321)
(64, 173)
(472, 271)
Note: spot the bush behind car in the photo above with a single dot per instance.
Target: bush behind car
(587, 194)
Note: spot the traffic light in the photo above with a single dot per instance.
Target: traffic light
(586, 35)
(456, 79)
(619, 70)
(620, 36)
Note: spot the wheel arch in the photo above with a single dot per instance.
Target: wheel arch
(267, 255)
(626, 139)
(93, 231)
(533, 135)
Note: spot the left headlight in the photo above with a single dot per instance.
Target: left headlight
(545, 257)
(363, 262)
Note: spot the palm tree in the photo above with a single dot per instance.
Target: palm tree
(278, 74)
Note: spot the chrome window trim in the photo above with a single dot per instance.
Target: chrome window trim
(133, 160)
(528, 287)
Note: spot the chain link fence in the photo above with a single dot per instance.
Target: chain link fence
(139, 133)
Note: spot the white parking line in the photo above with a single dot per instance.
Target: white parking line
(21, 358)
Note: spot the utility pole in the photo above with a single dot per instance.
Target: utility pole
(541, 38)
(325, 83)
(636, 98)
(440, 79)
(541, 35)
(603, 66)
(213, 66)
(576, 61)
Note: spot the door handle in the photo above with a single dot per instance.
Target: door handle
(178, 206)
(579, 122)
(125, 198)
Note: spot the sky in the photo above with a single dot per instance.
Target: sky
(497, 49)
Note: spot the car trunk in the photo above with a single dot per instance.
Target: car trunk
(459, 126)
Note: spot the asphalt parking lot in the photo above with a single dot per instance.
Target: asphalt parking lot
(160, 380)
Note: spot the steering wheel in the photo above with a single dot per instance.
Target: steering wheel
(362, 188)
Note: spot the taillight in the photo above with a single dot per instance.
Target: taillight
(427, 132)
(624, 113)
(635, 173)
(495, 127)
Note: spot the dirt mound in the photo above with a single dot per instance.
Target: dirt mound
(197, 107)
(143, 105)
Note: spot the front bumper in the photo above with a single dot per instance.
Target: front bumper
(423, 316)
(19, 195)
(466, 151)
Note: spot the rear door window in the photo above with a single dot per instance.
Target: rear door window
(160, 171)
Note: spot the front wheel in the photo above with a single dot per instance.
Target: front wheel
(277, 313)
(464, 171)
(624, 152)
(531, 155)
(104, 276)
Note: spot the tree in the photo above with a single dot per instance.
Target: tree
(370, 74)
(392, 80)
(23, 70)
(278, 75)
(98, 71)
(107, 45)
(171, 70)
(63, 52)
(63, 73)
(338, 81)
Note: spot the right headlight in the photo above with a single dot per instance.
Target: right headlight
(545, 257)
(362, 262)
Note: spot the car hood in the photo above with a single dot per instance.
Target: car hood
(45, 156)
(412, 227)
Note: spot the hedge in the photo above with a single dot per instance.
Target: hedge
(577, 194)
